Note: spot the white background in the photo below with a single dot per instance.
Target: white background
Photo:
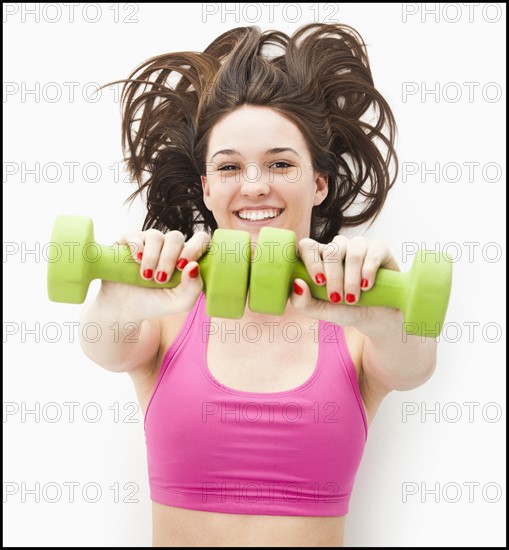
(45, 368)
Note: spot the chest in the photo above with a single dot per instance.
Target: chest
(248, 359)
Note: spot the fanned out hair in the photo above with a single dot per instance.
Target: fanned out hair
(319, 78)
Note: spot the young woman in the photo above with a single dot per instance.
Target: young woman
(255, 438)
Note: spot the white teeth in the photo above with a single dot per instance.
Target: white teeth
(256, 215)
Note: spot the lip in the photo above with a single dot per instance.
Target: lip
(265, 221)
(261, 207)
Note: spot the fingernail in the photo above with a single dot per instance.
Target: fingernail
(161, 276)
(364, 283)
(320, 278)
(139, 255)
(335, 297)
(350, 298)
(182, 263)
(194, 272)
(297, 289)
(147, 274)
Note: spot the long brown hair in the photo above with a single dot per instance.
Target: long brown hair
(319, 78)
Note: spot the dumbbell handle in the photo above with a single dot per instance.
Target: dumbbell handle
(386, 291)
(116, 264)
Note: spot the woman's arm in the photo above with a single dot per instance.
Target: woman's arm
(393, 358)
(121, 341)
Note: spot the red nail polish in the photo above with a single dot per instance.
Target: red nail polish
(350, 298)
(297, 289)
(320, 278)
(139, 255)
(364, 283)
(335, 297)
(161, 276)
(194, 272)
(147, 274)
(182, 263)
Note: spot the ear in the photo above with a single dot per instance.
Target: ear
(206, 191)
(321, 189)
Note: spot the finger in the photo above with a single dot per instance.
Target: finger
(302, 300)
(301, 297)
(194, 249)
(135, 241)
(333, 255)
(355, 253)
(153, 243)
(191, 281)
(191, 274)
(172, 246)
(310, 251)
(191, 284)
(377, 251)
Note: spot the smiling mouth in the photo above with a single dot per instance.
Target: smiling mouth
(260, 216)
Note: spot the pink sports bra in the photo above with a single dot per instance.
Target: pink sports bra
(288, 453)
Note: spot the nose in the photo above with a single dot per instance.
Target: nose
(254, 181)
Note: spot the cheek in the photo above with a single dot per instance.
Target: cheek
(220, 195)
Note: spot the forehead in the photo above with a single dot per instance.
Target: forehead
(251, 127)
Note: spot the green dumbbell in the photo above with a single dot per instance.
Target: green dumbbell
(79, 260)
(422, 293)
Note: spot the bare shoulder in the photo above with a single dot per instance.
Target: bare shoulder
(372, 391)
(144, 376)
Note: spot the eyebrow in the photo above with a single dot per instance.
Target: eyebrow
(273, 151)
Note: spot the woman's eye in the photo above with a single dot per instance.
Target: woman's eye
(279, 165)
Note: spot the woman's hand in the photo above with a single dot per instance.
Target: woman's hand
(346, 267)
(159, 255)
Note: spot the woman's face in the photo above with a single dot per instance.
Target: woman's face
(259, 165)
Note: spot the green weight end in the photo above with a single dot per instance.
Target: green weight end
(227, 267)
(271, 270)
(68, 273)
(428, 293)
